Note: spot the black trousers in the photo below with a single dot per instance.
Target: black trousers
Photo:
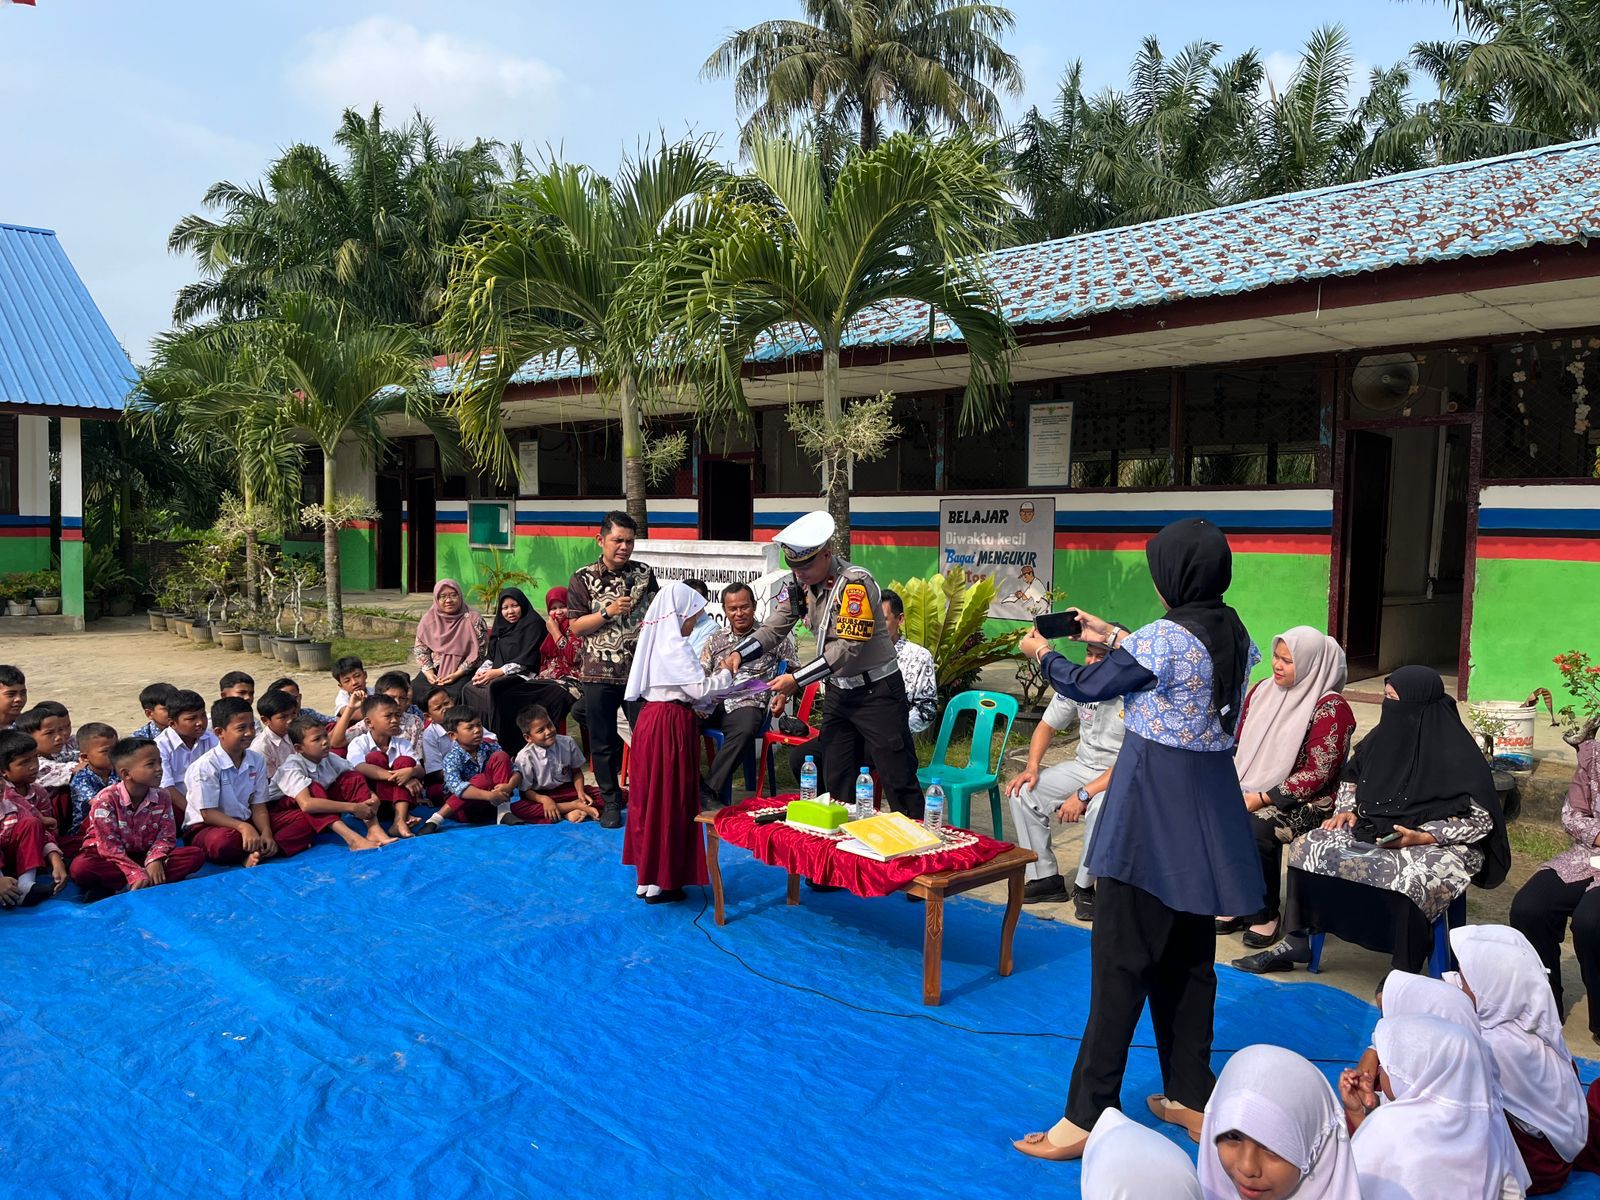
(601, 701)
(1271, 851)
(870, 726)
(1142, 951)
(1371, 917)
(740, 729)
(1540, 912)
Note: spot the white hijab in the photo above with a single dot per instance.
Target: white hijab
(1522, 1028)
(1277, 1098)
(1276, 725)
(1417, 995)
(1435, 1138)
(1125, 1161)
(664, 657)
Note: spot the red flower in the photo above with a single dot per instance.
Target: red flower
(1594, 670)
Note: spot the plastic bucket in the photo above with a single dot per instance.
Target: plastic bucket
(1513, 745)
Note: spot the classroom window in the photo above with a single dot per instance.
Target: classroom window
(1121, 431)
(1247, 426)
(1538, 422)
(909, 464)
(993, 457)
(786, 469)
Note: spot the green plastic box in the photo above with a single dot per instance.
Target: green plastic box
(817, 816)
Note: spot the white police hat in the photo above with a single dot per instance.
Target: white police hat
(805, 538)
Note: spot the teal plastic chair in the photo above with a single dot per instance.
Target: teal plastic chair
(960, 783)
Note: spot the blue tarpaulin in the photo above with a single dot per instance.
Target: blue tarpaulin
(493, 1013)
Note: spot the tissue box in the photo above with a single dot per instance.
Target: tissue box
(816, 814)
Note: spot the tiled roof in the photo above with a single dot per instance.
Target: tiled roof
(1536, 198)
(55, 348)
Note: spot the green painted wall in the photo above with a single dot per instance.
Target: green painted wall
(550, 560)
(24, 554)
(1524, 613)
(72, 578)
(358, 558)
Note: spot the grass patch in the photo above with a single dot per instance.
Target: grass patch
(373, 652)
(1537, 841)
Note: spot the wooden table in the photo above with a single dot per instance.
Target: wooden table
(931, 889)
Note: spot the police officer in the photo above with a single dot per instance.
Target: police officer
(866, 718)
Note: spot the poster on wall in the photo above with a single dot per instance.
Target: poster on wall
(528, 468)
(1010, 538)
(1050, 444)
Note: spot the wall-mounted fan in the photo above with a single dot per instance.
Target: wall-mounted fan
(1382, 383)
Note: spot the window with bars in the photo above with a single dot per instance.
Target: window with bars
(1121, 431)
(1252, 425)
(1538, 422)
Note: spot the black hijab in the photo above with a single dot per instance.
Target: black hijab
(520, 642)
(1420, 764)
(1192, 567)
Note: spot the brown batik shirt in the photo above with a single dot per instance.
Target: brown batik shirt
(608, 651)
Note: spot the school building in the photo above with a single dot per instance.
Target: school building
(60, 365)
(1381, 391)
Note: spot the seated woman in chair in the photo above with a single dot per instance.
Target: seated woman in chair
(1415, 822)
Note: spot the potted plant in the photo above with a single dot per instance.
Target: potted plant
(15, 588)
(46, 590)
(300, 576)
(1581, 676)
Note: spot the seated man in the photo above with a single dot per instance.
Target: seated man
(739, 717)
(1077, 783)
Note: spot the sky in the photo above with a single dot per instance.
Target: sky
(119, 115)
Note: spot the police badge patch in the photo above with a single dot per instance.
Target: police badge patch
(854, 620)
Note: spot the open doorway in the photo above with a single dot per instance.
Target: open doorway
(424, 511)
(391, 567)
(727, 499)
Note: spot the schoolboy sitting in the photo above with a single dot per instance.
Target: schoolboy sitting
(351, 676)
(325, 787)
(237, 683)
(479, 781)
(550, 767)
(130, 839)
(388, 761)
(51, 726)
(185, 739)
(277, 709)
(13, 695)
(27, 842)
(285, 684)
(95, 741)
(153, 699)
(226, 791)
(397, 686)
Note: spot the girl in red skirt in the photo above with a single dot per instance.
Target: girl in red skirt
(661, 841)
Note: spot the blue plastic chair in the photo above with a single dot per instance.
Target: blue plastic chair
(1438, 962)
(960, 783)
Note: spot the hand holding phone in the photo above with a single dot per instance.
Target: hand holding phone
(1388, 839)
(1058, 625)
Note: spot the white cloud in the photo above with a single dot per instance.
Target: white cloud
(469, 88)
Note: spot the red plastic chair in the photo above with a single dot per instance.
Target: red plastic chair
(772, 739)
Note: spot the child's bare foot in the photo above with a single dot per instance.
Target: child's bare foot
(576, 816)
(376, 835)
(361, 843)
(253, 860)
(402, 829)
(592, 812)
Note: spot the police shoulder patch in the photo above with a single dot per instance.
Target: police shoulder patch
(854, 620)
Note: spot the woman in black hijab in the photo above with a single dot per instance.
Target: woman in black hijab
(1416, 820)
(507, 681)
(1173, 848)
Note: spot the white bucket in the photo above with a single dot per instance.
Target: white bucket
(1513, 745)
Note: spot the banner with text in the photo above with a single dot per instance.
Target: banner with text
(1009, 538)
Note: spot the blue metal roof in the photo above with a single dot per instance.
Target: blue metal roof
(1540, 197)
(56, 349)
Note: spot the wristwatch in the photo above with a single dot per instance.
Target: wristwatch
(1083, 795)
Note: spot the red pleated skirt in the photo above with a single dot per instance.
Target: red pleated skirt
(662, 842)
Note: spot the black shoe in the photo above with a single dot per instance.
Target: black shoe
(1260, 941)
(1083, 904)
(37, 894)
(709, 800)
(672, 896)
(1282, 957)
(1227, 925)
(611, 817)
(1051, 887)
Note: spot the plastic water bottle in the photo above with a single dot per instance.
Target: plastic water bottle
(808, 779)
(933, 807)
(863, 795)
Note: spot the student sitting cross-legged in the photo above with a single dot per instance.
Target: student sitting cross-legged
(130, 839)
(184, 741)
(227, 814)
(550, 767)
(277, 709)
(479, 780)
(97, 773)
(27, 834)
(388, 761)
(326, 788)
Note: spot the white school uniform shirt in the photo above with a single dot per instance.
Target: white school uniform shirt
(275, 750)
(299, 773)
(213, 781)
(177, 758)
(360, 747)
(543, 770)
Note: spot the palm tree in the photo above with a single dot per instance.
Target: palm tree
(867, 63)
(787, 257)
(547, 278)
(374, 231)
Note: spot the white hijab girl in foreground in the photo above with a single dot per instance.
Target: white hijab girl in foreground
(662, 841)
(1125, 1161)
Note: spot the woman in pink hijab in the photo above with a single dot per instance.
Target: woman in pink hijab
(451, 643)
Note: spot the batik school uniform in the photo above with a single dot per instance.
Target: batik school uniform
(488, 768)
(331, 779)
(177, 756)
(412, 721)
(213, 781)
(275, 750)
(398, 755)
(548, 771)
(81, 792)
(148, 730)
(436, 745)
(121, 839)
(25, 843)
(56, 770)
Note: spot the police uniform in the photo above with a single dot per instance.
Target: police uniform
(866, 719)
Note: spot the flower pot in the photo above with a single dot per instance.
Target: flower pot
(48, 606)
(200, 634)
(269, 646)
(178, 625)
(251, 638)
(120, 606)
(287, 649)
(314, 656)
(230, 639)
(91, 609)
(158, 622)
(16, 608)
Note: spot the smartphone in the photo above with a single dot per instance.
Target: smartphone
(1388, 839)
(1059, 625)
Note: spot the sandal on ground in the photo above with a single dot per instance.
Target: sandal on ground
(1177, 1114)
(1039, 1145)
(1260, 941)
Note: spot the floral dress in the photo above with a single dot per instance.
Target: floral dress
(1429, 876)
(1304, 800)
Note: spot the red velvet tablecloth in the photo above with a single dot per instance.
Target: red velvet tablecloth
(819, 860)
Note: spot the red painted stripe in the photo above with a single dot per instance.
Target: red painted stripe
(72, 535)
(450, 527)
(25, 531)
(1530, 548)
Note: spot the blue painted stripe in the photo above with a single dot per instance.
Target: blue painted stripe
(863, 520)
(1243, 518)
(1554, 519)
(72, 522)
(14, 522)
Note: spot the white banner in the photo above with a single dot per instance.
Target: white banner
(716, 564)
(1011, 538)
